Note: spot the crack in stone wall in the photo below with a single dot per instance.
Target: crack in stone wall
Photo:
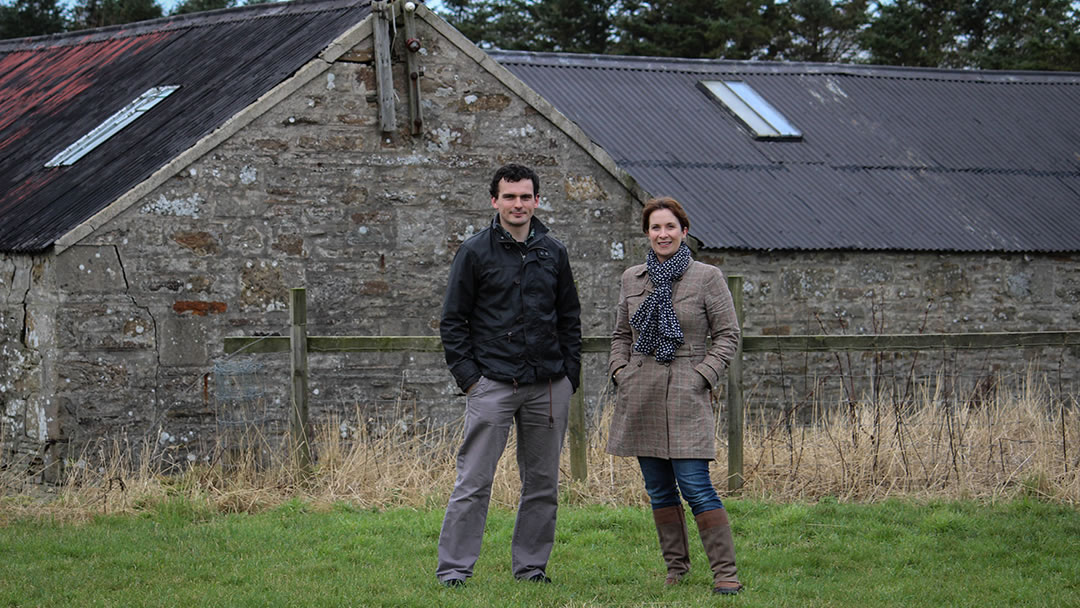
(158, 412)
(27, 419)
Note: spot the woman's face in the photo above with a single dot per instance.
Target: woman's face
(665, 233)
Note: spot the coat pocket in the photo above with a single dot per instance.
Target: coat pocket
(628, 375)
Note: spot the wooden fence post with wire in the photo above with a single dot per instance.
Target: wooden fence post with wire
(299, 344)
(299, 425)
(735, 395)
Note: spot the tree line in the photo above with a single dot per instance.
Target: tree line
(981, 34)
(985, 34)
(19, 18)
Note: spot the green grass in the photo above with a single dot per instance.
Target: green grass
(896, 553)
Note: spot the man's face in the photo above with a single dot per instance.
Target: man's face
(515, 203)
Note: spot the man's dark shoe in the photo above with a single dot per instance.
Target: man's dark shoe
(539, 578)
(453, 582)
(727, 589)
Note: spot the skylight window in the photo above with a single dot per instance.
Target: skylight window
(111, 126)
(763, 120)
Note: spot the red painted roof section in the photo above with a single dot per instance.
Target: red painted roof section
(36, 84)
(55, 89)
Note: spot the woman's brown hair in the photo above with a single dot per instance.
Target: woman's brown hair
(664, 202)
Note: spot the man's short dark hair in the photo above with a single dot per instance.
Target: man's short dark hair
(514, 173)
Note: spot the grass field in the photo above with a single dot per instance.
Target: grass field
(895, 553)
(939, 504)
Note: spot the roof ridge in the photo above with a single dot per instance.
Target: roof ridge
(177, 22)
(683, 65)
(781, 165)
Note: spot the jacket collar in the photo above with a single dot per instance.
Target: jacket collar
(537, 229)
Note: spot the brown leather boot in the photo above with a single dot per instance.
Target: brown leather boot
(720, 548)
(674, 541)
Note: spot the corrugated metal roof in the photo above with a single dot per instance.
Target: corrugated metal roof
(55, 89)
(891, 159)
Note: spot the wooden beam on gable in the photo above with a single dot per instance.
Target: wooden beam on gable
(384, 79)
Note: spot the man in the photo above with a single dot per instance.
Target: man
(511, 330)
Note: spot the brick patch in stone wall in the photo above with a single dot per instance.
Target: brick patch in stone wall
(201, 243)
(200, 309)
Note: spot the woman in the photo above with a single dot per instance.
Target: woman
(664, 369)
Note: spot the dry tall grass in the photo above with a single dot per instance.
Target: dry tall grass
(1026, 442)
(1011, 444)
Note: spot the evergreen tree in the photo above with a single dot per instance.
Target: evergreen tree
(99, 13)
(197, 6)
(998, 34)
(573, 26)
(467, 17)
(503, 24)
(820, 30)
(31, 18)
(746, 30)
(1023, 34)
(665, 28)
(913, 33)
(986, 34)
(731, 29)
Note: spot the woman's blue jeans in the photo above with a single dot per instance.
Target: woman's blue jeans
(666, 479)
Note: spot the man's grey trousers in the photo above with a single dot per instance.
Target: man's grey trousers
(540, 411)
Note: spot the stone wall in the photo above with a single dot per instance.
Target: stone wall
(29, 424)
(791, 293)
(906, 292)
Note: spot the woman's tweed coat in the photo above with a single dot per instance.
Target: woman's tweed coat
(664, 410)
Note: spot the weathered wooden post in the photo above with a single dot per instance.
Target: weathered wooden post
(579, 440)
(298, 359)
(384, 80)
(735, 396)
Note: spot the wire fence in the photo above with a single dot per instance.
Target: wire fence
(795, 385)
(248, 428)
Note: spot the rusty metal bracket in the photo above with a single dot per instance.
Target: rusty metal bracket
(413, 46)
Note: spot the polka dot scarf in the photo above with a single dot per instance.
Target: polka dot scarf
(658, 327)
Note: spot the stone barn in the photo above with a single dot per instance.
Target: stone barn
(164, 184)
(857, 199)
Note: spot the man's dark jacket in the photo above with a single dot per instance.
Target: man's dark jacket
(511, 311)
